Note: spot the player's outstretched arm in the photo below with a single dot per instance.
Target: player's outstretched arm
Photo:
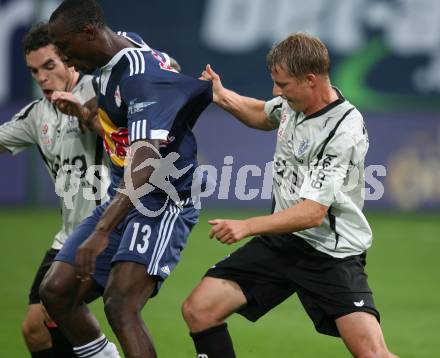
(304, 215)
(68, 104)
(18, 133)
(248, 110)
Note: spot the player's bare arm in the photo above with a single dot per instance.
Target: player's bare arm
(92, 120)
(87, 114)
(249, 111)
(116, 211)
(304, 215)
(2, 149)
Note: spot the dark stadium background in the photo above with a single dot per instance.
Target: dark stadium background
(385, 59)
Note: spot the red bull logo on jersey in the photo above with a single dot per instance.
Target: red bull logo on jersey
(118, 98)
(115, 139)
(164, 61)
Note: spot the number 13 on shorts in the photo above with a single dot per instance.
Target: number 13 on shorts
(141, 247)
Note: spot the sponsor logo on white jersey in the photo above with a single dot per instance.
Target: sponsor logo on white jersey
(303, 147)
(45, 134)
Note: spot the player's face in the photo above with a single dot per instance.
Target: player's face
(73, 46)
(297, 92)
(47, 69)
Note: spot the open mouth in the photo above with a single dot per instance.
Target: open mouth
(47, 93)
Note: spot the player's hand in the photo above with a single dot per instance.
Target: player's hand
(68, 104)
(228, 231)
(86, 254)
(217, 87)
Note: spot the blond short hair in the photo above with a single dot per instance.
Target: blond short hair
(300, 54)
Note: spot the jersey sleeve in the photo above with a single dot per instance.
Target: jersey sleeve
(19, 133)
(345, 148)
(273, 109)
(153, 103)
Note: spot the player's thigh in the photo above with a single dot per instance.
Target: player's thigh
(129, 285)
(257, 269)
(361, 333)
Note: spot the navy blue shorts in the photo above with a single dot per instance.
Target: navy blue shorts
(155, 242)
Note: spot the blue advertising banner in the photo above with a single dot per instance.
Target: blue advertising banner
(385, 53)
(402, 164)
(385, 58)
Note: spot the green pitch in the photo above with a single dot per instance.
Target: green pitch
(402, 266)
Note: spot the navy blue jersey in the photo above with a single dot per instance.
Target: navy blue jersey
(142, 97)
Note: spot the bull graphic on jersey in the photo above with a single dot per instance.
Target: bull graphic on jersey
(115, 139)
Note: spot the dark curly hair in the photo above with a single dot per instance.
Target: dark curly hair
(37, 37)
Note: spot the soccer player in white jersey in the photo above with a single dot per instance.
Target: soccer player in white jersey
(62, 146)
(315, 241)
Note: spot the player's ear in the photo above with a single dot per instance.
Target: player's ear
(311, 79)
(90, 32)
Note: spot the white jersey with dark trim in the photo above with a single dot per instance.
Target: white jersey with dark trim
(321, 157)
(62, 147)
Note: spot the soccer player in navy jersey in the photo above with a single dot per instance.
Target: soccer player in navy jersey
(129, 245)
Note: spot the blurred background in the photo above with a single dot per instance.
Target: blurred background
(385, 59)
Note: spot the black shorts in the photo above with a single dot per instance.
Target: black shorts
(34, 295)
(269, 269)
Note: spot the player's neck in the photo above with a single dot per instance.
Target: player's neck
(73, 81)
(325, 94)
(111, 45)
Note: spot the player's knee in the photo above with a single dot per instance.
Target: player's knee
(111, 308)
(119, 310)
(197, 315)
(372, 350)
(31, 328)
(188, 312)
(370, 354)
(35, 333)
(48, 292)
(53, 293)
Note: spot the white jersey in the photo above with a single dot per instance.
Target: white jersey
(62, 147)
(321, 158)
